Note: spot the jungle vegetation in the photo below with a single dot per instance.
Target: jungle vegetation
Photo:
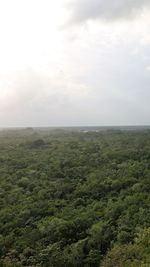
(75, 198)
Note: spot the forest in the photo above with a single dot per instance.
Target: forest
(75, 197)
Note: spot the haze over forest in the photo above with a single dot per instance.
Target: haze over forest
(77, 62)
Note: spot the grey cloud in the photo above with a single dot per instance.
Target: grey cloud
(83, 10)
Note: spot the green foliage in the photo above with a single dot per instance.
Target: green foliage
(74, 198)
(130, 255)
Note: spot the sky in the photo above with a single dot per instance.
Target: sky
(74, 62)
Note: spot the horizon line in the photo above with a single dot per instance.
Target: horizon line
(74, 126)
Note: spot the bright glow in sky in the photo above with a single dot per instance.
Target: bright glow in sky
(74, 62)
(28, 31)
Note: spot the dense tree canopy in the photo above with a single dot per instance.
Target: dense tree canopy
(70, 197)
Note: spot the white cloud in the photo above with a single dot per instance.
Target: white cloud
(34, 98)
(94, 73)
(148, 68)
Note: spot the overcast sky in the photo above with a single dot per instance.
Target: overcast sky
(75, 62)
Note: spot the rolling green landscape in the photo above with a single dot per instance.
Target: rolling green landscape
(75, 197)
